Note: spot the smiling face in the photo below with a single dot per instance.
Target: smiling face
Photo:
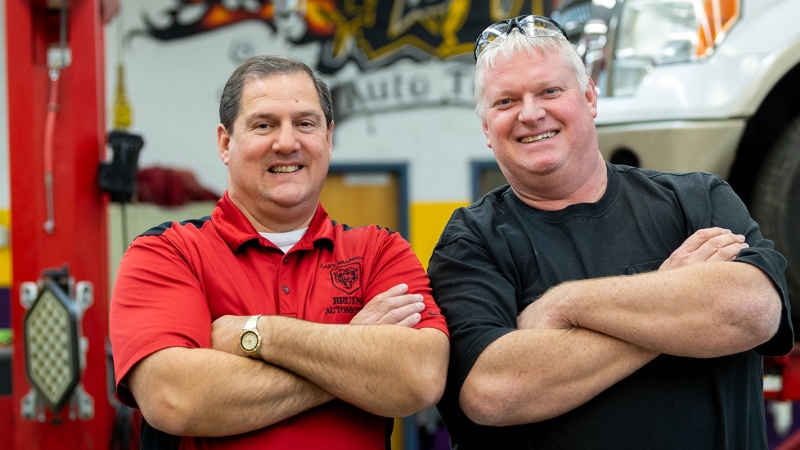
(279, 152)
(539, 123)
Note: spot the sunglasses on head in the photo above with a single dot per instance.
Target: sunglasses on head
(528, 25)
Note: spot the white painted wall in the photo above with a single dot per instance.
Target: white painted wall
(438, 143)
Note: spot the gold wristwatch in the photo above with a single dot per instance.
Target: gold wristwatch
(250, 339)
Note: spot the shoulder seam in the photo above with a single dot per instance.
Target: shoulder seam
(454, 239)
(160, 229)
(346, 228)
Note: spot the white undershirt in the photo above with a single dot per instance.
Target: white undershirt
(285, 241)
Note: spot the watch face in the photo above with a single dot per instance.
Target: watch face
(249, 341)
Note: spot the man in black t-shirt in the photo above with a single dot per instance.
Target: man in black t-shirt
(594, 306)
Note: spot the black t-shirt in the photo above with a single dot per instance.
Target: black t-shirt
(499, 255)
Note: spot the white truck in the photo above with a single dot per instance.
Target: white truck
(703, 85)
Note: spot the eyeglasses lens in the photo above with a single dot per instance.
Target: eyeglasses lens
(488, 36)
(531, 26)
(535, 26)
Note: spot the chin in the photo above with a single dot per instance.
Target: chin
(289, 202)
(544, 167)
(293, 201)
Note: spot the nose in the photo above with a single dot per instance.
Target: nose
(286, 140)
(531, 111)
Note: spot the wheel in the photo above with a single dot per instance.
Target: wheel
(776, 206)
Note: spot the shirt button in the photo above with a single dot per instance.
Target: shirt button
(286, 260)
(286, 289)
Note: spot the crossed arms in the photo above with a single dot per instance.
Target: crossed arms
(582, 337)
(383, 366)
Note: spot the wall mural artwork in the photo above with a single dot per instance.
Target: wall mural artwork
(372, 33)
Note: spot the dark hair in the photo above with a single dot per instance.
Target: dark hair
(265, 66)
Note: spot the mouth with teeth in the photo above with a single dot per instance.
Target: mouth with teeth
(541, 137)
(285, 169)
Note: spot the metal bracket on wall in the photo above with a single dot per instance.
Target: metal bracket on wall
(81, 404)
(28, 291)
(84, 296)
(31, 407)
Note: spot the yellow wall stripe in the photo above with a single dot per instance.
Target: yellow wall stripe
(5, 250)
(427, 221)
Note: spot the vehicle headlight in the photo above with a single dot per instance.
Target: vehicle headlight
(652, 32)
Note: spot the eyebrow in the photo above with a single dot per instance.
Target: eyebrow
(504, 93)
(538, 86)
(298, 115)
(309, 113)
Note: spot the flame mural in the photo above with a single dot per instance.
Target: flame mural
(373, 33)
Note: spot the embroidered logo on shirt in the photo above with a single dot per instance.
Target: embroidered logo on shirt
(347, 277)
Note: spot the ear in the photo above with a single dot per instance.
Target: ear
(486, 132)
(329, 138)
(223, 143)
(591, 96)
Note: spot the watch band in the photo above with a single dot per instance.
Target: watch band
(251, 323)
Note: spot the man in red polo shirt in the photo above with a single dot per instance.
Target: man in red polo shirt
(267, 324)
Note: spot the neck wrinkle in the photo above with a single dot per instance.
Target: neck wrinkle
(590, 191)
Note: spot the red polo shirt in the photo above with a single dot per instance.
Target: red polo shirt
(176, 279)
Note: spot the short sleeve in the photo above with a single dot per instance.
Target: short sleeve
(396, 263)
(478, 301)
(157, 303)
(729, 212)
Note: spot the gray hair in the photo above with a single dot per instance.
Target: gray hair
(265, 66)
(517, 42)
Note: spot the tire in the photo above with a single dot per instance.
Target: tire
(776, 206)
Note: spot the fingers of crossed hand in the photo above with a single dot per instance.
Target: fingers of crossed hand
(393, 307)
(705, 245)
